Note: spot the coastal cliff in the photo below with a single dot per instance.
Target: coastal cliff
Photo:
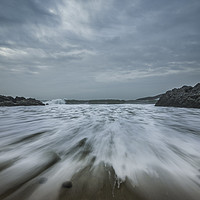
(19, 101)
(186, 96)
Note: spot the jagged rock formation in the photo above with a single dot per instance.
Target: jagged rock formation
(18, 101)
(187, 96)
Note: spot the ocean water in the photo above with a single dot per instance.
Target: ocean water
(128, 151)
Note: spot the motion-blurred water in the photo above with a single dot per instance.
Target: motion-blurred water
(107, 151)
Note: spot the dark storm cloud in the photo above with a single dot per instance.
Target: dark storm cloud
(98, 49)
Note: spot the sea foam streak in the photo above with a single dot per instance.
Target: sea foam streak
(107, 151)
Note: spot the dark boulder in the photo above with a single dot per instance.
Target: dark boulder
(42, 180)
(18, 101)
(67, 184)
(187, 96)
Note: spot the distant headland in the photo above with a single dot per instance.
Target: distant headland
(144, 100)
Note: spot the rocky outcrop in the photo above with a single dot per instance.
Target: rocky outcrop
(18, 101)
(187, 96)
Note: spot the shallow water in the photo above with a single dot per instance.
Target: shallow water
(106, 151)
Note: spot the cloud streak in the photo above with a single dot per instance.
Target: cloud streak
(131, 75)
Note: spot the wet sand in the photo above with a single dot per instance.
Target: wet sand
(89, 182)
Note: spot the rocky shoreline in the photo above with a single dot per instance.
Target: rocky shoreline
(19, 101)
(186, 97)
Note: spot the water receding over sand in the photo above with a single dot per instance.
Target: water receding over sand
(99, 152)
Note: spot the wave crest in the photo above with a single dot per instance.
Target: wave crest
(56, 101)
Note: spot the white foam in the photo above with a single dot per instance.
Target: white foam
(133, 139)
(55, 101)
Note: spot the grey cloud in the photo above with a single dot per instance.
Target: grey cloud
(27, 11)
(101, 49)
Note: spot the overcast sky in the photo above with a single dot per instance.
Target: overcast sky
(89, 49)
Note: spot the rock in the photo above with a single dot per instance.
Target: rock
(42, 180)
(6, 98)
(67, 184)
(7, 103)
(187, 96)
(18, 101)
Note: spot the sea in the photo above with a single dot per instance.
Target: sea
(97, 152)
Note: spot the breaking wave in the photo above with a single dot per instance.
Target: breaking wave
(55, 101)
